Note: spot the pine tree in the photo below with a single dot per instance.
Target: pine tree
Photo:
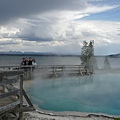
(87, 52)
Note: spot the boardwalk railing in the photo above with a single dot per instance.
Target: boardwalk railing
(27, 70)
(52, 70)
(12, 93)
(58, 70)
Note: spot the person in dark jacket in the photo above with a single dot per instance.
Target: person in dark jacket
(30, 61)
(23, 62)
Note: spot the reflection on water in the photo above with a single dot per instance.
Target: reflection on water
(69, 81)
(96, 93)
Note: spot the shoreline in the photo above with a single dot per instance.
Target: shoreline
(40, 115)
(72, 113)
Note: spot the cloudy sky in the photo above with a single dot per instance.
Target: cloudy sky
(59, 26)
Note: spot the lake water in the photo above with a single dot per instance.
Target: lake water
(58, 60)
(98, 93)
(41, 60)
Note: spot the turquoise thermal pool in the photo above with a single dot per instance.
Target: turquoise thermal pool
(98, 93)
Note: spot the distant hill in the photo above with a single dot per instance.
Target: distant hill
(36, 53)
(25, 53)
(115, 55)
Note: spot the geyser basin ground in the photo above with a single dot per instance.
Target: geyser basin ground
(98, 93)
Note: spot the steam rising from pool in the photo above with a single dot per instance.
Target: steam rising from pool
(97, 93)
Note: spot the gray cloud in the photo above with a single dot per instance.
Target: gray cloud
(12, 9)
(50, 25)
(34, 38)
(10, 42)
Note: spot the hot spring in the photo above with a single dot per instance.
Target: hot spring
(98, 93)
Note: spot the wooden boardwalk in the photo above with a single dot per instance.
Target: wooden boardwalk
(12, 93)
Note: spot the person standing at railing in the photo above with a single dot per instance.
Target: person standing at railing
(23, 61)
(27, 60)
(30, 61)
(34, 62)
(23, 64)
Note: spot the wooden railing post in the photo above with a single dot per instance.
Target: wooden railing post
(54, 71)
(1, 80)
(63, 70)
(80, 70)
(21, 98)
